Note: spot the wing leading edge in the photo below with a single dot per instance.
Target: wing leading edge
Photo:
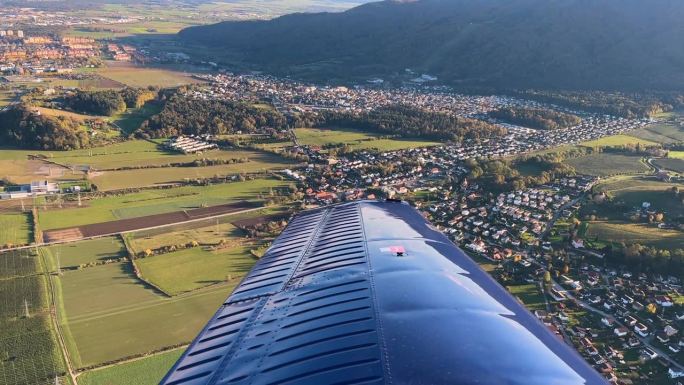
(369, 293)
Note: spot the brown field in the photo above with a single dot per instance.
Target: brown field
(130, 224)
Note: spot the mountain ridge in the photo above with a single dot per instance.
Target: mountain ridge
(570, 44)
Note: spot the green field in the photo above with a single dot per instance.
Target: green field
(355, 139)
(605, 164)
(617, 140)
(529, 294)
(114, 180)
(649, 235)
(633, 191)
(146, 371)
(15, 228)
(193, 268)
(676, 155)
(131, 120)
(134, 76)
(108, 314)
(150, 202)
(673, 164)
(72, 255)
(131, 153)
(661, 133)
(208, 235)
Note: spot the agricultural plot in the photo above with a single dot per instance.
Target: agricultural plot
(676, 155)
(193, 268)
(150, 202)
(146, 371)
(673, 164)
(134, 76)
(606, 164)
(108, 314)
(208, 235)
(529, 295)
(114, 180)
(355, 139)
(18, 263)
(633, 191)
(661, 133)
(617, 140)
(131, 120)
(629, 233)
(29, 353)
(73, 255)
(15, 229)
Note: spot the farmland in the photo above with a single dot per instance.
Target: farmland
(617, 140)
(529, 295)
(355, 139)
(108, 314)
(15, 228)
(644, 234)
(29, 353)
(134, 76)
(113, 180)
(192, 268)
(151, 202)
(146, 371)
(674, 164)
(661, 133)
(72, 255)
(209, 235)
(633, 191)
(605, 164)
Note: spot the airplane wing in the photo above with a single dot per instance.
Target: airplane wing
(370, 293)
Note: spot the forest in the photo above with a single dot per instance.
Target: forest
(184, 115)
(539, 118)
(22, 128)
(406, 121)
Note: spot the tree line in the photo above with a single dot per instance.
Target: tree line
(540, 118)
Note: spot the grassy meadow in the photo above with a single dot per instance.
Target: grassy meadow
(135, 76)
(145, 371)
(661, 133)
(606, 164)
(355, 139)
(108, 314)
(193, 268)
(72, 255)
(617, 140)
(628, 233)
(15, 228)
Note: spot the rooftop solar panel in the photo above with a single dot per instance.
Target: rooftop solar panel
(369, 293)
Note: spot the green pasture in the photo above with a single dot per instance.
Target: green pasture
(149, 202)
(145, 371)
(189, 269)
(605, 164)
(15, 229)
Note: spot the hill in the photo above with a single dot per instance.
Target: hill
(569, 44)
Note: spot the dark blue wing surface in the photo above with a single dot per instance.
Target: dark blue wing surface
(370, 293)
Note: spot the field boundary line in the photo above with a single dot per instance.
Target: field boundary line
(55, 322)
